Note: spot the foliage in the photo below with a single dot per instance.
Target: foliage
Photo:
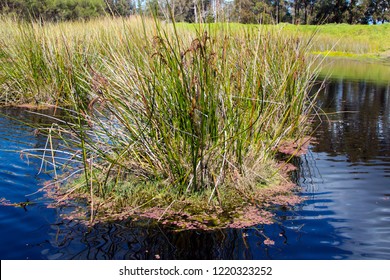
(120, 7)
(54, 9)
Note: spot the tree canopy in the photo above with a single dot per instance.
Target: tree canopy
(59, 10)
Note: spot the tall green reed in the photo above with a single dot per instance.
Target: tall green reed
(195, 112)
(168, 110)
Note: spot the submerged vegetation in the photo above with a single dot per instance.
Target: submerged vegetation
(164, 121)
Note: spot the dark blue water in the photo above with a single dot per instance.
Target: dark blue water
(345, 179)
(24, 232)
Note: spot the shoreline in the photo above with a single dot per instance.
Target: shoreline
(257, 211)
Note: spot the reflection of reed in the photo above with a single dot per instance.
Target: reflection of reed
(127, 241)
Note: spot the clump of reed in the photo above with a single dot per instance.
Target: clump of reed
(161, 117)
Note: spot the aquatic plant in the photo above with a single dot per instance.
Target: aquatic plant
(161, 117)
(190, 120)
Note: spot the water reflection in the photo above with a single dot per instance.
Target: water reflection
(350, 164)
(374, 71)
(358, 119)
(120, 241)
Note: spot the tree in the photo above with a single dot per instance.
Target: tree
(355, 12)
(330, 11)
(54, 10)
(253, 11)
(380, 11)
(120, 7)
(183, 10)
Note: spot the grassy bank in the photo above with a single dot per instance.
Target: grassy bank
(365, 41)
(164, 121)
(353, 41)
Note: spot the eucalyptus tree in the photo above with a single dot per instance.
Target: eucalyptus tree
(380, 11)
(120, 7)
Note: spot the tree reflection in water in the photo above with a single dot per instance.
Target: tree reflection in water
(358, 123)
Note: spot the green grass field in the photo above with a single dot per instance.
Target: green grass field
(354, 41)
(348, 40)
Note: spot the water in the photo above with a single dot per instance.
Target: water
(25, 231)
(344, 178)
